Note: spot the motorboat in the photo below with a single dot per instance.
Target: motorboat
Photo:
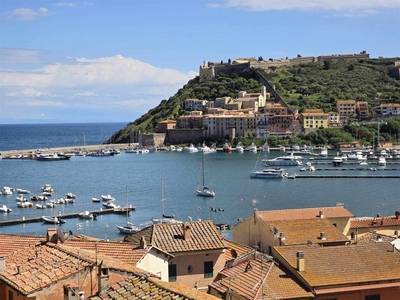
(51, 204)
(95, 199)
(53, 220)
(273, 173)
(190, 149)
(324, 152)
(52, 157)
(5, 209)
(7, 191)
(227, 148)
(47, 189)
(22, 191)
(87, 215)
(24, 204)
(381, 161)
(288, 160)
(239, 148)
(110, 204)
(103, 152)
(21, 198)
(107, 198)
(337, 161)
(204, 148)
(143, 150)
(253, 148)
(40, 206)
(70, 196)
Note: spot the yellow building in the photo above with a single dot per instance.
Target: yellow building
(312, 119)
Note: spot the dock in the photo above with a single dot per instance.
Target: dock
(343, 176)
(121, 210)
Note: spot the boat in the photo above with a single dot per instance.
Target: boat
(40, 206)
(5, 209)
(129, 227)
(52, 157)
(110, 204)
(24, 204)
(266, 147)
(70, 196)
(165, 218)
(143, 150)
(131, 150)
(103, 152)
(204, 148)
(253, 148)
(239, 147)
(21, 198)
(324, 152)
(273, 173)
(381, 161)
(287, 160)
(53, 220)
(204, 191)
(22, 191)
(39, 198)
(87, 215)
(190, 149)
(337, 161)
(95, 199)
(51, 204)
(107, 198)
(47, 189)
(7, 191)
(227, 148)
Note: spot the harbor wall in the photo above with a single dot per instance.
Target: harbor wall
(181, 136)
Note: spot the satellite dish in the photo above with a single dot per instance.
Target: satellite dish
(60, 235)
(233, 253)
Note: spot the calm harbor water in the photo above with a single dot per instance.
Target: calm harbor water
(227, 174)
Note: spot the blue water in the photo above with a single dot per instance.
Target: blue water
(227, 174)
(38, 136)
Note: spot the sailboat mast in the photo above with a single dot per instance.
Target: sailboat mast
(127, 204)
(162, 196)
(202, 165)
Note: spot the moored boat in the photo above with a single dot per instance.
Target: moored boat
(7, 191)
(5, 209)
(288, 160)
(272, 173)
(53, 220)
(23, 191)
(227, 148)
(87, 215)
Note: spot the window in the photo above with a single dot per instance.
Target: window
(172, 273)
(10, 295)
(208, 269)
(373, 297)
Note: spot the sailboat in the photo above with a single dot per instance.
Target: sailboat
(129, 227)
(204, 191)
(165, 218)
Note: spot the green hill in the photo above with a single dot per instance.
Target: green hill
(312, 85)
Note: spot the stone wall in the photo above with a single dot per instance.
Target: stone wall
(182, 136)
(151, 139)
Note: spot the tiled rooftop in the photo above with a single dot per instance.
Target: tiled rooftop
(343, 265)
(304, 213)
(136, 287)
(169, 237)
(258, 278)
(12, 242)
(373, 237)
(235, 250)
(374, 222)
(301, 231)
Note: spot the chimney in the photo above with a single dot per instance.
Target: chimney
(186, 231)
(103, 278)
(397, 213)
(323, 236)
(282, 236)
(2, 264)
(300, 261)
(321, 214)
(143, 244)
(71, 291)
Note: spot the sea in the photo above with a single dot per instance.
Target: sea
(158, 182)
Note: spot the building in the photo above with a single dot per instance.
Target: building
(346, 107)
(313, 119)
(195, 104)
(255, 275)
(265, 229)
(358, 272)
(334, 119)
(390, 109)
(272, 109)
(388, 225)
(197, 249)
(362, 109)
(231, 126)
(193, 120)
(165, 125)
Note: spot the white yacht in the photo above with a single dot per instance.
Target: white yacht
(324, 152)
(273, 173)
(253, 148)
(337, 161)
(191, 149)
(239, 148)
(381, 161)
(288, 160)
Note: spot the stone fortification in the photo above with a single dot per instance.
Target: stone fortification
(180, 136)
(151, 139)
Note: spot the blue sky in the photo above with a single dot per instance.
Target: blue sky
(112, 61)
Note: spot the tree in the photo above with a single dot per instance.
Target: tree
(327, 64)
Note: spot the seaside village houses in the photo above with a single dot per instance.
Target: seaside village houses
(310, 253)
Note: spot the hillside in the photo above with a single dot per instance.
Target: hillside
(312, 85)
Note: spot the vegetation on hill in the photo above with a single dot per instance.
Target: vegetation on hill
(313, 85)
(319, 85)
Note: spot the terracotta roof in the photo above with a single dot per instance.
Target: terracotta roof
(121, 251)
(374, 222)
(373, 237)
(326, 267)
(304, 213)
(169, 237)
(235, 250)
(259, 278)
(14, 242)
(136, 287)
(301, 231)
(33, 268)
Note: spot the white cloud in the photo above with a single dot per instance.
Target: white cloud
(28, 92)
(28, 14)
(84, 94)
(69, 4)
(361, 6)
(9, 56)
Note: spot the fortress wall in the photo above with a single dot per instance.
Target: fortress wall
(181, 136)
(303, 60)
(152, 139)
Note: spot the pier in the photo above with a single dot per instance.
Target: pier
(121, 210)
(344, 176)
